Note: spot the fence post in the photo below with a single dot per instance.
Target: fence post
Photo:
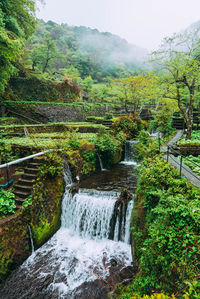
(159, 141)
(181, 162)
(7, 173)
(168, 153)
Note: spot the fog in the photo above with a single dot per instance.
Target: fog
(144, 23)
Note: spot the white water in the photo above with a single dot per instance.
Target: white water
(31, 239)
(101, 164)
(128, 153)
(77, 249)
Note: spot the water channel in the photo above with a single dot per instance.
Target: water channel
(77, 261)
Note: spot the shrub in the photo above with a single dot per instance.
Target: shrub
(7, 202)
(106, 147)
(165, 229)
(131, 125)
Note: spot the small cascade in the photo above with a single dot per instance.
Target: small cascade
(101, 164)
(31, 239)
(89, 214)
(129, 151)
(67, 176)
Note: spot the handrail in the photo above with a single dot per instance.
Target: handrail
(179, 153)
(181, 158)
(27, 158)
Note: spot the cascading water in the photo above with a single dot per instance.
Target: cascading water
(31, 239)
(101, 164)
(128, 152)
(79, 252)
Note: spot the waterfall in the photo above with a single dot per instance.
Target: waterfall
(31, 239)
(89, 214)
(101, 163)
(129, 151)
(87, 241)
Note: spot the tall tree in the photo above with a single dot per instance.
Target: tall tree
(44, 55)
(17, 22)
(134, 89)
(180, 78)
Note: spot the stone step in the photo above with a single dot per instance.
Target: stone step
(39, 159)
(25, 182)
(21, 195)
(29, 176)
(31, 170)
(19, 201)
(23, 188)
(33, 165)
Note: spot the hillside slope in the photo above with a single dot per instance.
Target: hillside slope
(90, 52)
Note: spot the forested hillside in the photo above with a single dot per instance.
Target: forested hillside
(81, 51)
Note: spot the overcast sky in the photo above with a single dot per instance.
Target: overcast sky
(141, 22)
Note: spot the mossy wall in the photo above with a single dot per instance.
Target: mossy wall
(44, 219)
(35, 88)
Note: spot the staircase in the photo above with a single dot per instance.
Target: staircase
(25, 184)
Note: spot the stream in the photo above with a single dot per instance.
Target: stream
(89, 253)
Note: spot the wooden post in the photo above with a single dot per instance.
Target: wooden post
(168, 153)
(181, 162)
(159, 141)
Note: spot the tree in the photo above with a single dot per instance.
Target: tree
(179, 61)
(17, 23)
(43, 56)
(134, 89)
(87, 84)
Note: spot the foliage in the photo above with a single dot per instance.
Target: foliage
(135, 89)
(190, 160)
(87, 52)
(44, 102)
(45, 54)
(80, 153)
(179, 59)
(107, 146)
(146, 147)
(5, 150)
(16, 24)
(165, 228)
(194, 142)
(27, 202)
(38, 88)
(7, 202)
(153, 296)
(188, 143)
(130, 125)
(162, 121)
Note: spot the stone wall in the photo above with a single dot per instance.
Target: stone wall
(68, 113)
(43, 216)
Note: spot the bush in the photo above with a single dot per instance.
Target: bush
(7, 202)
(162, 121)
(106, 147)
(166, 225)
(131, 125)
(165, 230)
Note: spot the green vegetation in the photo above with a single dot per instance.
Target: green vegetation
(129, 125)
(195, 167)
(165, 228)
(7, 203)
(17, 23)
(90, 54)
(193, 142)
(179, 59)
(53, 103)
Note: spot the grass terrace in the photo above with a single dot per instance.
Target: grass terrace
(194, 142)
(75, 104)
(46, 140)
